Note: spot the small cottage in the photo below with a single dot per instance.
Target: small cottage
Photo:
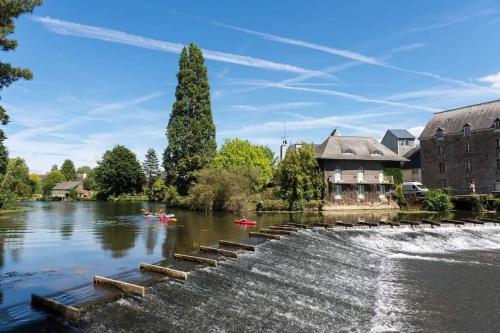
(63, 190)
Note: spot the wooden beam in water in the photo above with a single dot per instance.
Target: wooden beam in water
(321, 225)
(201, 260)
(127, 288)
(265, 235)
(284, 228)
(343, 224)
(433, 223)
(472, 221)
(173, 273)
(225, 253)
(298, 225)
(240, 245)
(391, 223)
(490, 220)
(409, 222)
(452, 221)
(276, 232)
(53, 306)
(369, 224)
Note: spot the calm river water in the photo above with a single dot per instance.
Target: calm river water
(401, 279)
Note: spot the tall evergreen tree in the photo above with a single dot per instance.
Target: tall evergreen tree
(68, 170)
(9, 10)
(191, 130)
(151, 168)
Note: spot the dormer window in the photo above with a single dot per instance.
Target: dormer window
(496, 124)
(466, 130)
(348, 151)
(377, 153)
(439, 132)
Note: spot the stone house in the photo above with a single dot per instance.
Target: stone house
(353, 167)
(63, 190)
(462, 145)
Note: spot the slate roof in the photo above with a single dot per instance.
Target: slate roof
(401, 134)
(413, 156)
(363, 148)
(67, 185)
(479, 116)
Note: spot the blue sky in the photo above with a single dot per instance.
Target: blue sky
(104, 71)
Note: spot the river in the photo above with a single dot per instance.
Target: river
(384, 279)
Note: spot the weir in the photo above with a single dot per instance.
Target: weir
(73, 313)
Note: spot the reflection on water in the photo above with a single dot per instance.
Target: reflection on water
(56, 246)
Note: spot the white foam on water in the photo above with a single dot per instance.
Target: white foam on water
(451, 261)
(429, 241)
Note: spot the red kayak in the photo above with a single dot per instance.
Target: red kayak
(245, 222)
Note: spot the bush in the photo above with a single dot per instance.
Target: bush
(272, 205)
(438, 200)
(395, 173)
(7, 200)
(224, 189)
(398, 196)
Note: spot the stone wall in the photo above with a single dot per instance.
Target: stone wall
(454, 158)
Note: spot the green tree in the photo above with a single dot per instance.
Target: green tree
(151, 168)
(299, 178)
(68, 170)
(119, 172)
(241, 153)
(54, 167)
(35, 182)
(10, 10)
(190, 130)
(17, 179)
(89, 183)
(50, 180)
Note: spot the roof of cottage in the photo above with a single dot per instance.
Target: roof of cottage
(337, 147)
(66, 185)
(479, 117)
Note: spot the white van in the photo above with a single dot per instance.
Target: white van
(414, 188)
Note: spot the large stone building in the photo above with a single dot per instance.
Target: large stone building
(462, 145)
(354, 166)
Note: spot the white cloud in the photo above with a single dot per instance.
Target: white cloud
(406, 48)
(417, 130)
(115, 36)
(493, 80)
(339, 52)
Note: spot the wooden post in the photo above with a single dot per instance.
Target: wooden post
(321, 225)
(472, 221)
(343, 224)
(53, 306)
(276, 232)
(201, 260)
(284, 228)
(433, 223)
(413, 223)
(265, 235)
(298, 225)
(369, 224)
(453, 221)
(173, 273)
(127, 288)
(240, 245)
(225, 253)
